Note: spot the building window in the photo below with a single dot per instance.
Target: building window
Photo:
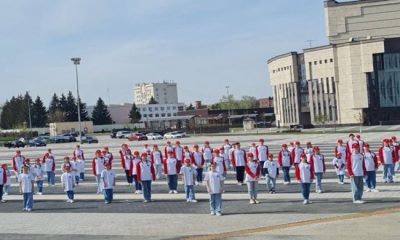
(162, 108)
(150, 115)
(174, 114)
(157, 115)
(315, 62)
(320, 61)
(150, 109)
(144, 115)
(143, 109)
(331, 60)
(168, 114)
(155, 108)
(168, 108)
(174, 108)
(326, 60)
(162, 114)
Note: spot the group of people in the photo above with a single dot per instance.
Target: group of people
(353, 159)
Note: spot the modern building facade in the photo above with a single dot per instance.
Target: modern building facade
(164, 93)
(356, 78)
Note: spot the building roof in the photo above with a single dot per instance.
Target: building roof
(281, 56)
(175, 118)
(334, 3)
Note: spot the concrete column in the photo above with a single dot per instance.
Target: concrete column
(311, 100)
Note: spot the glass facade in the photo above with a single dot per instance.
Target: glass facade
(387, 72)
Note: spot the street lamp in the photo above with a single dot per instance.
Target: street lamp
(229, 105)
(76, 62)
(30, 116)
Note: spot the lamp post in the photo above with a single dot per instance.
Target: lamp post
(76, 62)
(30, 116)
(229, 105)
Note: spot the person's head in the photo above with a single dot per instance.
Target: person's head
(351, 136)
(394, 138)
(187, 162)
(27, 161)
(339, 141)
(136, 154)
(78, 146)
(103, 152)
(168, 143)
(270, 156)
(261, 141)
(4, 166)
(18, 152)
(145, 145)
(128, 152)
(37, 161)
(144, 156)
(49, 150)
(217, 152)
(66, 159)
(358, 136)
(284, 146)
(178, 143)
(170, 154)
(291, 144)
(124, 146)
(107, 165)
(390, 142)
(155, 147)
(386, 142)
(297, 144)
(106, 148)
(226, 141)
(212, 167)
(25, 169)
(237, 145)
(303, 157)
(67, 168)
(309, 145)
(206, 143)
(366, 147)
(250, 156)
(356, 147)
(196, 147)
(316, 149)
(98, 153)
(253, 145)
(186, 148)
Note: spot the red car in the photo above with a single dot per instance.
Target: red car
(137, 137)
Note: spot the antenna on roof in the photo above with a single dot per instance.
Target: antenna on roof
(310, 42)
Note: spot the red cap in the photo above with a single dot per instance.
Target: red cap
(366, 145)
(270, 155)
(226, 140)
(358, 136)
(66, 158)
(216, 151)
(351, 135)
(78, 146)
(316, 148)
(136, 153)
(155, 145)
(355, 145)
(340, 141)
(206, 142)
(98, 151)
(195, 146)
(186, 160)
(67, 168)
(303, 155)
(144, 154)
(104, 151)
(261, 140)
(146, 145)
(4, 165)
(168, 142)
(386, 140)
(394, 138)
(297, 143)
(178, 142)
(284, 145)
(250, 155)
(185, 147)
(170, 152)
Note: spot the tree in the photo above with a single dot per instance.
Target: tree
(153, 101)
(190, 107)
(54, 104)
(359, 117)
(100, 114)
(70, 108)
(134, 114)
(39, 113)
(15, 113)
(321, 120)
(63, 103)
(84, 113)
(248, 102)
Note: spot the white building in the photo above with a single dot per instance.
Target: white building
(354, 78)
(151, 112)
(164, 93)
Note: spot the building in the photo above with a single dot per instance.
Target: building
(119, 112)
(164, 93)
(157, 115)
(356, 78)
(70, 127)
(266, 102)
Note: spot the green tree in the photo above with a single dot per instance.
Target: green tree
(39, 113)
(321, 120)
(153, 101)
(70, 108)
(134, 114)
(100, 114)
(63, 103)
(248, 102)
(84, 112)
(190, 107)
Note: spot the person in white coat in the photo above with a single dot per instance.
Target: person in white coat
(317, 160)
(271, 169)
(97, 167)
(68, 182)
(213, 180)
(253, 171)
(305, 174)
(339, 164)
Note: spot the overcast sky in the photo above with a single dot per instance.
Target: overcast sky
(203, 45)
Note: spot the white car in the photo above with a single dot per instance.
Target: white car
(173, 135)
(123, 134)
(154, 136)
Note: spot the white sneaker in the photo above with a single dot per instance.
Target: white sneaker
(193, 201)
(29, 209)
(256, 201)
(212, 213)
(137, 192)
(72, 201)
(374, 190)
(170, 192)
(140, 192)
(252, 201)
(305, 202)
(239, 184)
(286, 183)
(368, 190)
(5, 194)
(219, 214)
(3, 201)
(342, 183)
(175, 192)
(319, 191)
(309, 202)
(359, 202)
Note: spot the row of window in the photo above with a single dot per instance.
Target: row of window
(281, 69)
(159, 115)
(150, 109)
(322, 61)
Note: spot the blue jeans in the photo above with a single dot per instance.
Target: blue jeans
(82, 176)
(228, 163)
(199, 177)
(262, 168)
(189, 190)
(388, 171)
(173, 182)
(39, 184)
(286, 176)
(158, 171)
(1, 192)
(146, 185)
(7, 189)
(271, 183)
(370, 179)
(252, 189)
(99, 184)
(138, 186)
(305, 190)
(340, 178)
(28, 200)
(108, 195)
(215, 202)
(357, 187)
(129, 179)
(51, 178)
(318, 183)
(70, 195)
(76, 179)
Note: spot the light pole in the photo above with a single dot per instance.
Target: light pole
(229, 105)
(29, 113)
(76, 62)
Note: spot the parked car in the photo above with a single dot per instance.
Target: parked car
(182, 133)
(154, 136)
(36, 143)
(123, 134)
(174, 134)
(114, 132)
(90, 139)
(70, 136)
(137, 137)
(44, 134)
(59, 139)
(15, 144)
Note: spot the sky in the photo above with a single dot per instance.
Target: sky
(202, 45)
